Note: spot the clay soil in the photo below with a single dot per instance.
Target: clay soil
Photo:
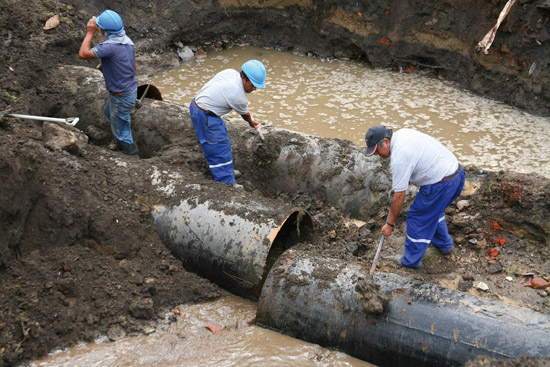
(80, 256)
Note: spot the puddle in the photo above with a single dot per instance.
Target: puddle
(342, 99)
(188, 342)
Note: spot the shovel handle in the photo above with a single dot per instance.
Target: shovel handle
(373, 267)
(69, 121)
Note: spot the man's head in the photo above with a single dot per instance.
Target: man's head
(253, 74)
(378, 141)
(110, 22)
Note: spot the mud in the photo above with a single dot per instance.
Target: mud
(372, 299)
(79, 253)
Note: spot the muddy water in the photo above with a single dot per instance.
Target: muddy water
(342, 99)
(231, 341)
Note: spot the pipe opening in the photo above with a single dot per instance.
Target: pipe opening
(152, 92)
(297, 228)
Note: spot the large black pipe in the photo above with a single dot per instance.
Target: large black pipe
(232, 239)
(336, 170)
(314, 298)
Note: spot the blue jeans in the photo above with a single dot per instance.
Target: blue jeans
(117, 113)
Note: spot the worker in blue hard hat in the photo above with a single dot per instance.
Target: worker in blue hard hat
(118, 65)
(226, 91)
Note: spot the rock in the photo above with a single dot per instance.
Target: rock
(57, 137)
(115, 332)
(482, 286)
(52, 22)
(494, 268)
(142, 308)
(462, 204)
(464, 285)
(186, 53)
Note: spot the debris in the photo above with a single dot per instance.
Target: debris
(185, 53)
(509, 279)
(537, 283)
(494, 268)
(52, 22)
(487, 41)
(200, 54)
(482, 286)
(214, 328)
(462, 204)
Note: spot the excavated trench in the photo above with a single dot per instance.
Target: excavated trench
(412, 36)
(235, 240)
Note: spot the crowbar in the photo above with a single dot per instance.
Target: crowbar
(139, 102)
(69, 121)
(260, 133)
(373, 267)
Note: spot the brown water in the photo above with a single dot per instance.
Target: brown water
(342, 99)
(189, 342)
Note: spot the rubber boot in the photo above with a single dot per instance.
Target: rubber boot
(129, 149)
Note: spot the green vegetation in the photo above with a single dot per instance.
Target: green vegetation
(13, 97)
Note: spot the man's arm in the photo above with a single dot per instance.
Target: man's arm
(250, 119)
(86, 46)
(396, 206)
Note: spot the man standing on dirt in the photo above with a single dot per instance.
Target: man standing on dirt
(226, 91)
(423, 161)
(118, 64)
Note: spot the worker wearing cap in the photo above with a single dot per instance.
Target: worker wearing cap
(419, 159)
(226, 91)
(118, 65)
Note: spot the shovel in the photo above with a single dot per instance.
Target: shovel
(373, 267)
(69, 121)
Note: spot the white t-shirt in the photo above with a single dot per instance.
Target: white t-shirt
(223, 93)
(419, 159)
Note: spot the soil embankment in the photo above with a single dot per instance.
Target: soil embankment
(80, 255)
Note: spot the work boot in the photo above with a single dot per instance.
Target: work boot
(129, 149)
(397, 258)
(236, 173)
(444, 253)
(399, 261)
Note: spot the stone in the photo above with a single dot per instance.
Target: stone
(462, 204)
(142, 308)
(68, 138)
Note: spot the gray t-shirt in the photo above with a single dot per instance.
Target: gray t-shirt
(419, 159)
(223, 93)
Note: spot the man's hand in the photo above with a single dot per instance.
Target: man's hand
(85, 51)
(386, 230)
(91, 27)
(250, 119)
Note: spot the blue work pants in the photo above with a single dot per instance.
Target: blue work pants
(212, 134)
(426, 219)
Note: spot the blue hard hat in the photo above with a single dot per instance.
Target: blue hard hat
(255, 71)
(110, 21)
